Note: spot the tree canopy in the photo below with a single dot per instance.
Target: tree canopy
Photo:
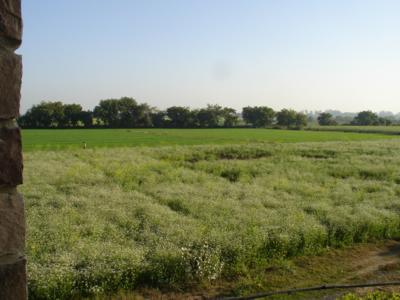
(126, 112)
(47, 114)
(365, 118)
(258, 116)
(290, 118)
(326, 119)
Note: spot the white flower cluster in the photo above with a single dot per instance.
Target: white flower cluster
(202, 261)
(119, 218)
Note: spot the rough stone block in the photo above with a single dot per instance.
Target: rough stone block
(11, 22)
(11, 165)
(13, 280)
(12, 223)
(10, 84)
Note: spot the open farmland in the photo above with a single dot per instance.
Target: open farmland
(103, 219)
(361, 129)
(69, 139)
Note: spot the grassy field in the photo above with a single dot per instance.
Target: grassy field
(69, 139)
(103, 219)
(360, 129)
(54, 140)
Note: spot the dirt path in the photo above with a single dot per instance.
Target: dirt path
(360, 264)
(381, 265)
(377, 260)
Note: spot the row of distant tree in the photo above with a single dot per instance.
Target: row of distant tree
(127, 113)
(364, 118)
(348, 115)
(48, 114)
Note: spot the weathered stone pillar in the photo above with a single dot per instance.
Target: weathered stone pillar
(12, 218)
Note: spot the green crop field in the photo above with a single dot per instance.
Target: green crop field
(68, 139)
(360, 129)
(267, 135)
(103, 219)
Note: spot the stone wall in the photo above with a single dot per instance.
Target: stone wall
(12, 217)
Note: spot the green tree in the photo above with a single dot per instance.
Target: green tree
(210, 116)
(382, 121)
(134, 115)
(193, 118)
(147, 110)
(258, 116)
(203, 116)
(325, 119)
(230, 117)
(158, 119)
(72, 114)
(129, 113)
(301, 120)
(179, 117)
(365, 118)
(108, 112)
(214, 115)
(123, 112)
(286, 117)
(45, 114)
(58, 115)
(86, 117)
(26, 120)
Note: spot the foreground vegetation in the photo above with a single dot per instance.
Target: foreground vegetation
(103, 219)
(69, 139)
(378, 295)
(357, 264)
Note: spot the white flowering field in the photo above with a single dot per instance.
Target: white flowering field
(99, 220)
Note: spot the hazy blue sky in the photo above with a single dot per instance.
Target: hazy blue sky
(313, 55)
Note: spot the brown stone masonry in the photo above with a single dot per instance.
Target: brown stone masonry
(12, 223)
(10, 24)
(13, 279)
(10, 84)
(10, 156)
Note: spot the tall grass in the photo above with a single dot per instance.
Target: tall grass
(99, 220)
